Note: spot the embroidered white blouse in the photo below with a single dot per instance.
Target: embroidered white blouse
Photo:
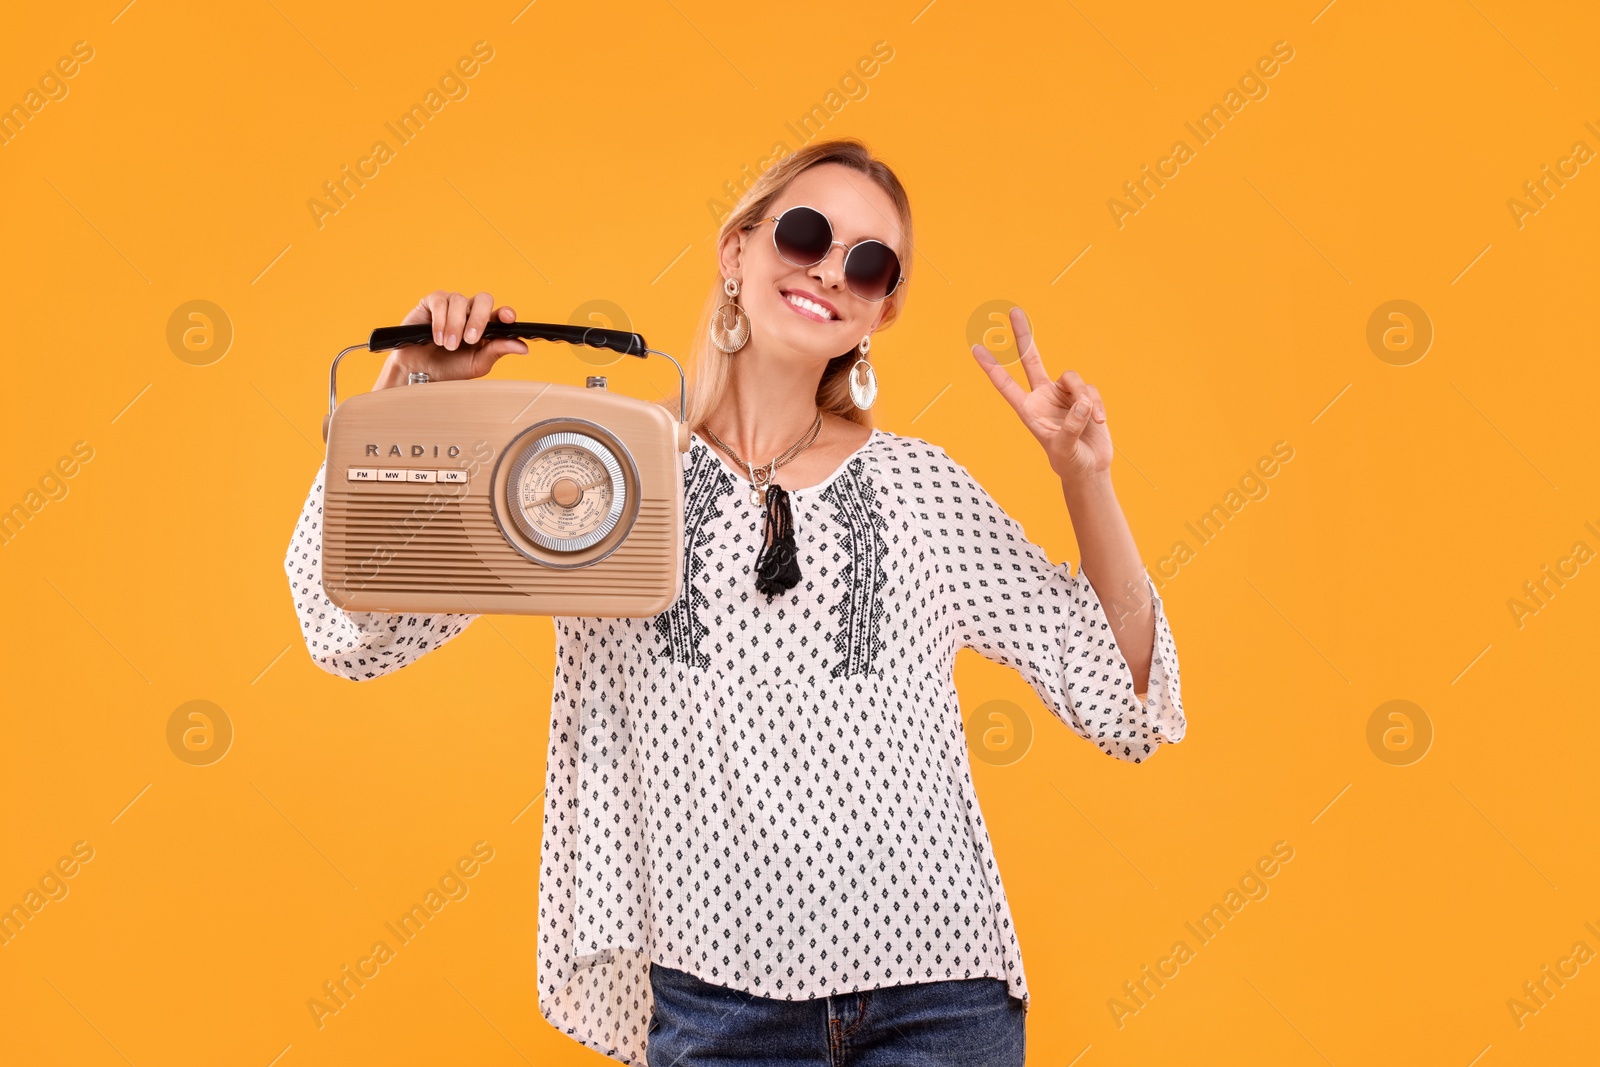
(777, 797)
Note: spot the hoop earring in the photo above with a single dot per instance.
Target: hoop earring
(863, 379)
(730, 324)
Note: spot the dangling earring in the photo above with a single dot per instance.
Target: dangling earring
(730, 325)
(863, 380)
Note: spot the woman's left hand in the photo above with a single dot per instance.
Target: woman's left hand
(1065, 413)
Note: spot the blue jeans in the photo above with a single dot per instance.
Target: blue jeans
(962, 1022)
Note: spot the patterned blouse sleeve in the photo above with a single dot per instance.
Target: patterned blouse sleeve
(1016, 607)
(354, 645)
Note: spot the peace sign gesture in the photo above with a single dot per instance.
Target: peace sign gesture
(1064, 413)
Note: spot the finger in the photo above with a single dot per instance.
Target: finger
(1077, 418)
(418, 314)
(506, 314)
(1014, 394)
(1093, 396)
(1032, 363)
(1076, 387)
(501, 346)
(477, 316)
(481, 363)
(484, 359)
(455, 321)
(1073, 382)
(438, 303)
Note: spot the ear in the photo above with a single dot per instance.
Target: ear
(730, 253)
(886, 316)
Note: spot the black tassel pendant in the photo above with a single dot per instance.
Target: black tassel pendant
(778, 565)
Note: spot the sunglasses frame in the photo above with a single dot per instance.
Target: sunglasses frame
(898, 282)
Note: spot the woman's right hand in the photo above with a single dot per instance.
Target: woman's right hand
(458, 349)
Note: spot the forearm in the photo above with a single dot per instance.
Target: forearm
(356, 645)
(1109, 558)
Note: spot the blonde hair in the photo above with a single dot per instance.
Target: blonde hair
(710, 366)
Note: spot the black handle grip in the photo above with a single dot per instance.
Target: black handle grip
(629, 344)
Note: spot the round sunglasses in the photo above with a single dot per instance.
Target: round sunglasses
(803, 237)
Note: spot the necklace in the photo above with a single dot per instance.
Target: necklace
(761, 477)
(777, 566)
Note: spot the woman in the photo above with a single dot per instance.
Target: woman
(761, 840)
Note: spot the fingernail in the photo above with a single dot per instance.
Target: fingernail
(1080, 408)
(450, 340)
(472, 334)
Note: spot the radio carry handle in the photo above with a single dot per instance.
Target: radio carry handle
(629, 344)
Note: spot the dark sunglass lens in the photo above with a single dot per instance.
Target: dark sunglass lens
(872, 270)
(803, 236)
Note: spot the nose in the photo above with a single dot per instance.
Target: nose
(830, 271)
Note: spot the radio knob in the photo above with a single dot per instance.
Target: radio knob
(595, 381)
(566, 492)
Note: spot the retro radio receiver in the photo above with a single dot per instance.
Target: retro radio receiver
(503, 497)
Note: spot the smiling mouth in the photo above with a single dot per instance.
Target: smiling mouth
(807, 308)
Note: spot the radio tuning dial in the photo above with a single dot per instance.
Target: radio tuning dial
(565, 491)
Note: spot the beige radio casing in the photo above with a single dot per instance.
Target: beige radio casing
(433, 546)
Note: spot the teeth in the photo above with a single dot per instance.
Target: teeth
(809, 305)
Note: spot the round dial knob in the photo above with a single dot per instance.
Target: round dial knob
(565, 491)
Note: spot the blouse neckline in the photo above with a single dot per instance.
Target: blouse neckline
(806, 490)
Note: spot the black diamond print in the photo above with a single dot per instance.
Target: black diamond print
(788, 816)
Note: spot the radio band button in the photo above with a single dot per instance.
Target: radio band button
(404, 474)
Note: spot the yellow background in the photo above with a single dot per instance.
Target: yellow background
(1228, 314)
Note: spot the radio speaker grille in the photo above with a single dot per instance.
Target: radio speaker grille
(379, 541)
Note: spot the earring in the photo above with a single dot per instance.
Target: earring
(730, 325)
(863, 379)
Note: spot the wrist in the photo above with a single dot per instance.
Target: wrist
(1088, 491)
(392, 374)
